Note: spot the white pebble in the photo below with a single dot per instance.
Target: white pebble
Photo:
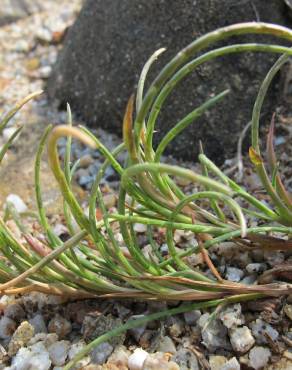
(6, 300)
(241, 339)
(44, 35)
(58, 352)
(259, 357)
(45, 71)
(21, 46)
(232, 316)
(17, 202)
(35, 357)
(232, 364)
(140, 228)
(137, 359)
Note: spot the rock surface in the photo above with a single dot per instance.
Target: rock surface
(105, 51)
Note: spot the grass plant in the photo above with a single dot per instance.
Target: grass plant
(92, 263)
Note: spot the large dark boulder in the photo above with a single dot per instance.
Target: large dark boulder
(105, 50)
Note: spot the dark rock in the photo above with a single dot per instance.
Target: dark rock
(105, 50)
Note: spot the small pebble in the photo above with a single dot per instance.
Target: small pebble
(259, 328)
(101, 353)
(138, 331)
(216, 362)
(45, 72)
(20, 338)
(74, 349)
(58, 352)
(279, 140)
(38, 323)
(259, 357)
(34, 357)
(176, 326)
(17, 202)
(6, 300)
(21, 46)
(137, 359)
(85, 180)
(7, 327)
(85, 161)
(164, 250)
(44, 35)
(60, 229)
(185, 359)
(192, 317)
(232, 364)
(140, 228)
(234, 274)
(231, 316)
(214, 334)
(250, 279)
(256, 267)
(166, 345)
(60, 326)
(110, 200)
(241, 339)
(14, 311)
(159, 361)
(119, 357)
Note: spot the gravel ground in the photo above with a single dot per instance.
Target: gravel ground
(42, 332)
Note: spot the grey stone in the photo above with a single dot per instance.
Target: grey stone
(261, 329)
(192, 317)
(14, 311)
(259, 357)
(101, 353)
(256, 267)
(234, 274)
(166, 345)
(186, 360)
(38, 323)
(58, 352)
(7, 327)
(74, 349)
(105, 51)
(214, 334)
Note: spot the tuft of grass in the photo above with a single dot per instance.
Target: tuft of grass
(101, 268)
